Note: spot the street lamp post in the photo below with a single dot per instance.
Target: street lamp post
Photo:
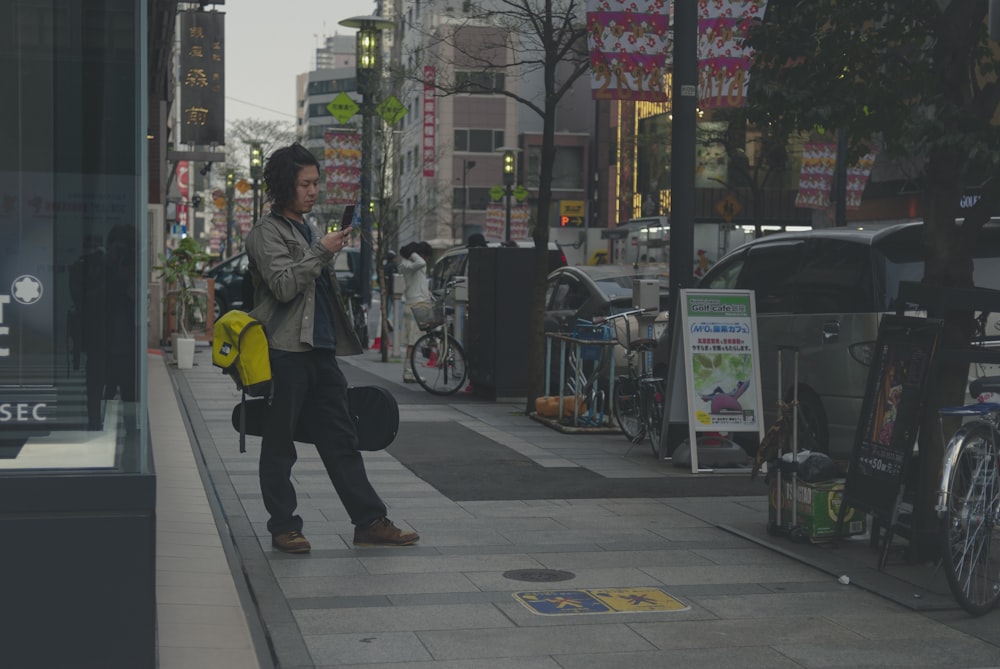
(369, 62)
(509, 173)
(466, 166)
(256, 164)
(230, 194)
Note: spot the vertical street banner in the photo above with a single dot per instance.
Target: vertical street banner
(857, 179)
(202, 78)
(182, 187)
(723, 60)
(430, 116)
(714, 379)
(630, 49)
(342, 164)
(819, 162)
(496, 222)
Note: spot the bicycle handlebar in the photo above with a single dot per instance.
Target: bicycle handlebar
(600, 320)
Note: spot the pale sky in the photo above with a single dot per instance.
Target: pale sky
(268, 43)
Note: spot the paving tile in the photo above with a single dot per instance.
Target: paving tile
(636, 558)
(216, 658)
(623, 577)
(373, 647)
(781, 572)
(375, 585)
(448, 564)
(754, 657)
(492, 663)
(934, 652)
(528, 642)
(399, 618)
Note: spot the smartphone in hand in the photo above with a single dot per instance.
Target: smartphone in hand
(345, 220)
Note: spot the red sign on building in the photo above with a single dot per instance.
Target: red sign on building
(429, 118)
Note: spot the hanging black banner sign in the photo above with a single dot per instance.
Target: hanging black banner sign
(202, 78)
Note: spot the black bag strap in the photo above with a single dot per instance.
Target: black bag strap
(243, 421)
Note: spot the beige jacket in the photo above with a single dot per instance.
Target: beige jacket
(284, 270)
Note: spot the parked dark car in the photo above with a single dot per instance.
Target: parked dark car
(230, 274)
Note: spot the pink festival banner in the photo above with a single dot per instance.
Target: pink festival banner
(819, 161)
(496, 222)
(630, 49)
(342, 163)
(723, 60)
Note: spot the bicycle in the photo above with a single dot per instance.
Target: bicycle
(969, 502)
(638, 396)
(438, 361)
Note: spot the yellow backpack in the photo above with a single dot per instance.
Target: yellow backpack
(239, 347)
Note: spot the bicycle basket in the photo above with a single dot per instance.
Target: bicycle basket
(428, 315)
(587, 330)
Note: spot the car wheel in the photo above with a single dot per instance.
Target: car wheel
(221, 306)
(813, 432)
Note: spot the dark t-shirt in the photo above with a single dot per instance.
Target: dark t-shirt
(323, 333)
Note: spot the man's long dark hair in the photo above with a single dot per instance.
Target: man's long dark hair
(281, 171)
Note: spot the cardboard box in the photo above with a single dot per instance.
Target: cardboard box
(817, 507)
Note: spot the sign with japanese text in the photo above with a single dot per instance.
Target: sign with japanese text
(342, 164)
(496, 222)
(430, 115)
(630, 49)
(723, 59)
(714, 380)
(202, 78)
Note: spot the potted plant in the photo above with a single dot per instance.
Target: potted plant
(179, 271)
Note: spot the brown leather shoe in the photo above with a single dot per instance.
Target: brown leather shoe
(291, 542)
(382, 532)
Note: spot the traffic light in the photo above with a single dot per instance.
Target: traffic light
(508, 168)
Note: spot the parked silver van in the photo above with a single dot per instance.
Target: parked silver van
(824, 291)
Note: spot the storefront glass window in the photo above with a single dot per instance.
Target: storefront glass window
(72, 228)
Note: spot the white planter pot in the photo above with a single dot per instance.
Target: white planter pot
(184, 352)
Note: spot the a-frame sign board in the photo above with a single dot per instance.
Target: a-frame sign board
(713, 384)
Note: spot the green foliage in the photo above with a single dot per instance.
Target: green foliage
(179, 271)
(902, 72)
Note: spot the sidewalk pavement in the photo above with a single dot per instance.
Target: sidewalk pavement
(749, 600)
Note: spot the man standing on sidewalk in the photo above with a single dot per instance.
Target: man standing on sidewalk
(298, 302)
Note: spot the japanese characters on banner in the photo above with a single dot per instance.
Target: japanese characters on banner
(857, 178)
(723, 61)
(342, 164)
(430, 113)
(819, 161)
(202, 77)
(496, 222)
(630, 49)
(182, 188)
(243, 213)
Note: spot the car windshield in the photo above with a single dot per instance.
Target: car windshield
(904, 262)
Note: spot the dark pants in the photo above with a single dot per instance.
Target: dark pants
(311, 387)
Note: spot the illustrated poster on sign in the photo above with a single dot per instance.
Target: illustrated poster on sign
(891, 411)
(723, 382)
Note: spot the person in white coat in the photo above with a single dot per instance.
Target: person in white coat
(413, 265)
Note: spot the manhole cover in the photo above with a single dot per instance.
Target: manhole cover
(539, 575)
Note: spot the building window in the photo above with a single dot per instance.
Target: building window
(567, 172)
(479, 83)
(478, 141)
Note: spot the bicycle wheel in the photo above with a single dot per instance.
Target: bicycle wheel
(653, 397)
(971, 550)
(627, 408)
(438, 362)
